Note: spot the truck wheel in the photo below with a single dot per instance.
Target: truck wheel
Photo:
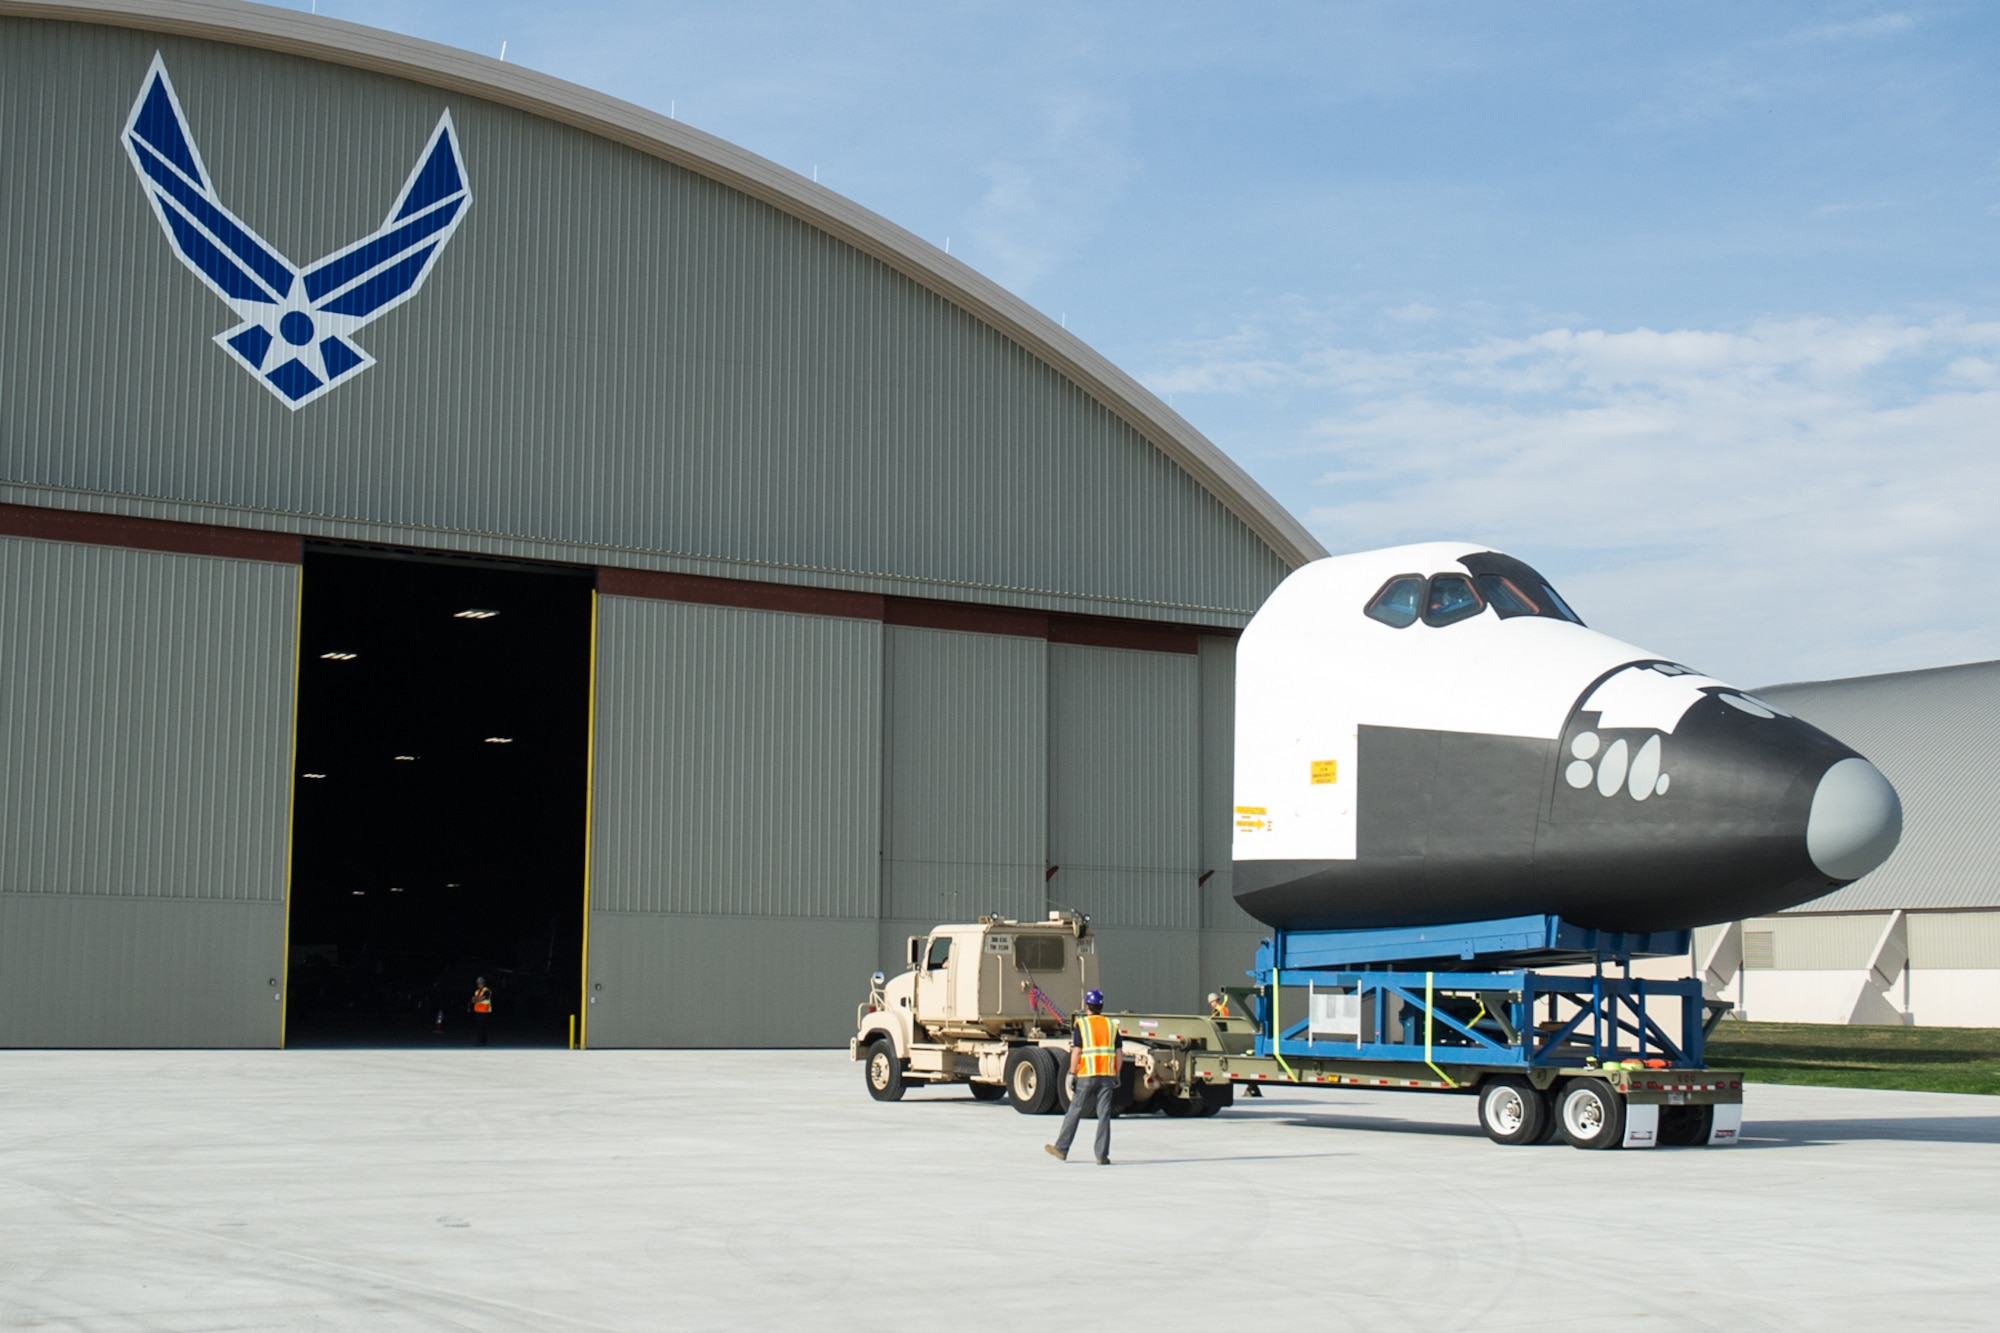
(884, 1072)
(1175, 1108)
(1686, 1126)
(1209, 1098)
(1031, 1081)
(1591, 1114)
(1511, 1111)
(986, 1092)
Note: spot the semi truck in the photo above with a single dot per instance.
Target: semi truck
(1590, 1053)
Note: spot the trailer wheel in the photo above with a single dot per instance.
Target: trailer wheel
(1031, 1081)
(884, 1072)
(1176, 1108)
(1511, 1110)
(1686, 1126)
(1591, 1114)
(986, 1092)
(1210, 1098)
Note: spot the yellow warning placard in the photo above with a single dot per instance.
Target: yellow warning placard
(1325, 771)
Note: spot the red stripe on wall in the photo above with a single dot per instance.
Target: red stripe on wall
(746, 593)
(149, 534)
(921, 613)
(1104, 632)
(916, 612)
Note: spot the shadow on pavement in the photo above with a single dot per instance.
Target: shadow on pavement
(1917, 1129)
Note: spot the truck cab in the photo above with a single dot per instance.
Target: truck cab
(971, 994)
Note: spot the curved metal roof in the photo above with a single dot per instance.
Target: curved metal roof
(444, 67)
(1935, 734)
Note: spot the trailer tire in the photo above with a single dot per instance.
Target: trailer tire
(1030, 1080)
(986, 1092)
(1591, 1114)
(1686, 1126)
(1511, 1111)
(883, 1071)
(1177, 1108)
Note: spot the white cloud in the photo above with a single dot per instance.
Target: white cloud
(1794, 499)
(1044, 203)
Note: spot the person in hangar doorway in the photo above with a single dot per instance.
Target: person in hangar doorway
(481, 1006)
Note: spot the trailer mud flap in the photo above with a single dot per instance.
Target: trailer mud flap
(1642, 1125)
(1728, 1124)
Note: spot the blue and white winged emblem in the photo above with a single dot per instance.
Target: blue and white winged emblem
(297, 323)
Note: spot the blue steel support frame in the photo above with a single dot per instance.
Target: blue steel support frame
(1463, 1029)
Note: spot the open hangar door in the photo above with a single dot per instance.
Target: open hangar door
(444, 709)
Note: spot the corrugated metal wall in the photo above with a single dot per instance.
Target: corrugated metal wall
(781, 800)
(145, 757)
(965, 779)
(1955, 939)
(1229, 935)
(1933, 734)
(1812, 943)
(1124, 816)
(612, 352)
(737, 783)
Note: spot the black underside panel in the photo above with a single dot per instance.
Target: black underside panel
(1457, 827)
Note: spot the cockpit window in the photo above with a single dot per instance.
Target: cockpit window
(1529, 587)
(1452, 598)
(1506, 600)
(1396, 605)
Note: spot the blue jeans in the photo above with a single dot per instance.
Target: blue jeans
(1102, 1089)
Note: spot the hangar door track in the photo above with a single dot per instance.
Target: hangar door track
(441, 801)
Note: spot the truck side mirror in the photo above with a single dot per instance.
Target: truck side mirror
(916, 949)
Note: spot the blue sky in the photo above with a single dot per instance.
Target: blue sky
(1694, 305)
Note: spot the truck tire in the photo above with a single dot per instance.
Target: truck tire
(1209, 1098)
(1511, 1110)
(986, 1092)
(883, 1071)
(1591, 1115)
(1176, 1108)
(1031, 1081)
(1686, 1126)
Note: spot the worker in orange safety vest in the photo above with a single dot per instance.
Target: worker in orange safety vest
(1093, 1058)
(482, 1010)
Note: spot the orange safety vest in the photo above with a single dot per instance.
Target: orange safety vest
(482, 1001)
(1098, 1041)
(1220, 1009)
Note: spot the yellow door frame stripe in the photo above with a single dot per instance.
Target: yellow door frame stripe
(589, 830)
(291, 803)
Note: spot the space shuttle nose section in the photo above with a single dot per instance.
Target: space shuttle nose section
(1856, 820)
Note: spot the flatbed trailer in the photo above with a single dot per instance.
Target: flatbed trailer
(1464, 1009)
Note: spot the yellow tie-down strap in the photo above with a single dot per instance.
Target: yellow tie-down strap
(1449, 1081)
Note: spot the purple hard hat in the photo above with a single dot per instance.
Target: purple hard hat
(1093, 997)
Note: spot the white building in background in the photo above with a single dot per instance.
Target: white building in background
(1917, 941)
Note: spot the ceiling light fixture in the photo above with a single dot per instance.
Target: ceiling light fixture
(361, 893)
(338, 657)
(397, 888)
(312, 775)
(499, 740)
(473, 613)
(406, 759)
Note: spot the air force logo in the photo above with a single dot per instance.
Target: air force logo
(298, 324)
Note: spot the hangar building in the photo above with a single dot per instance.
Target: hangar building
(1916, 941)
(455, 523)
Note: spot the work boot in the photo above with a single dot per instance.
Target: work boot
(1104, 1161)
(1055, 1152)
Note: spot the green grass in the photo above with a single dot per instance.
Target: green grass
(1830, 1055)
